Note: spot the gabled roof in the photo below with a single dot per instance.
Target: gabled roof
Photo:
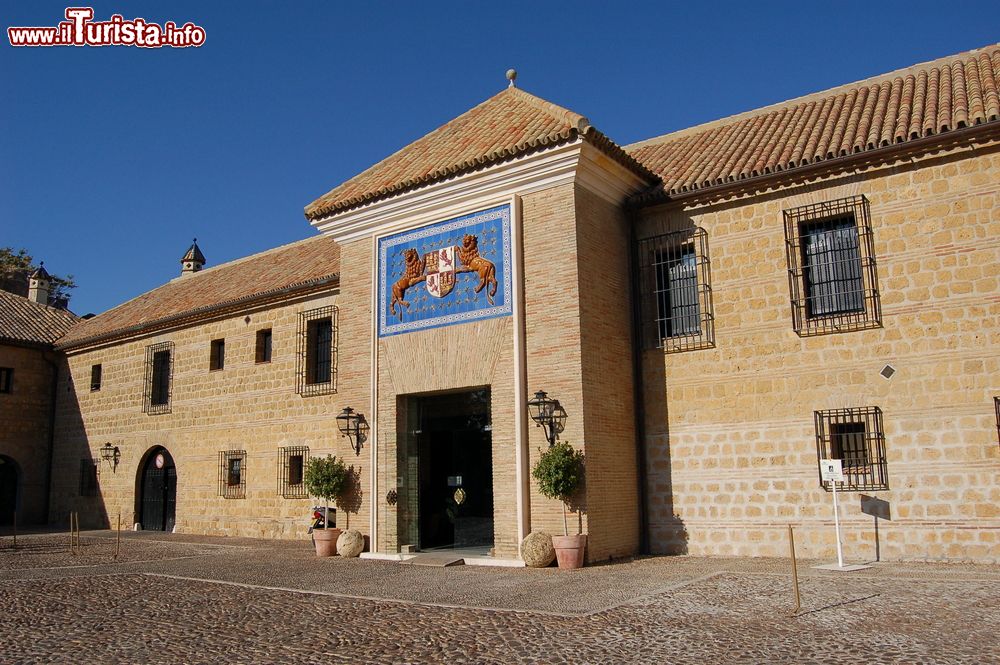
(929, 99)
(300, 266)
(507, 125)
(24, 321)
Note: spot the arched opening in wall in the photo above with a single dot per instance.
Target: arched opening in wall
(10, 489)
(156, 491)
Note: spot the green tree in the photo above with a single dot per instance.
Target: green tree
(326, 478)
(16, 265)
(559, 472)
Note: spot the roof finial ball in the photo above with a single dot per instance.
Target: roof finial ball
(511, 76)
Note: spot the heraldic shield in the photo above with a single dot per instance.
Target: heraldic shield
(440, 271)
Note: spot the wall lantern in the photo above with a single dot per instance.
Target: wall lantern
(354, 427)
(111, 454)
(547, 413)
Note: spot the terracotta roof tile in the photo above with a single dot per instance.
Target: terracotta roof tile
(925, 100)
(300, 265)
(24, 321)
(506, 125)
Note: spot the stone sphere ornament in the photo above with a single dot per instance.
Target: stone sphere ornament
(537, 550)
(351, 543)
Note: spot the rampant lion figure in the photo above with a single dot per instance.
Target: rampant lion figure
(414, 274)
(468, 254)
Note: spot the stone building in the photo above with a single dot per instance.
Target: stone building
(28, 372)
(716, 310)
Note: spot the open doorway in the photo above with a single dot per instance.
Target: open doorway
(453, 443)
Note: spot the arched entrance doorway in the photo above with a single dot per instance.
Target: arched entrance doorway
(10, 477)
(157, 491)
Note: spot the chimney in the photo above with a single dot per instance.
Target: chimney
(38, 285)
(193, 260)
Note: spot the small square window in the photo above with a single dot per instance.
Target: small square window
(6, 379)
(95, 378)
(88, 477)
(217, 355)
(291, 471)
(263, 351)
(855, 437)
(996, 407)
(232, 474)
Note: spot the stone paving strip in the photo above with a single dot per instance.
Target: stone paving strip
(266, 602)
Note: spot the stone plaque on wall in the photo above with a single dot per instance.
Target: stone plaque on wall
(449, 272)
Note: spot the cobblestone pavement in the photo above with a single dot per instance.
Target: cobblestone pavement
(202, 600)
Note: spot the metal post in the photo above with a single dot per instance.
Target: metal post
(836, 524)
(15, 529)
(795, 570)
(71, 550)
(118, 537)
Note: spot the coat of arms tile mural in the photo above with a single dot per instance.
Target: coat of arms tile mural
(450, 272)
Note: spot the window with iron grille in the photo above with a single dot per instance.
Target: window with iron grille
(676, 292)
(831, 267)
(95, 377)
(217, 355)
(855, 437)
(88, 477)
(291, 471)
(263, 349)
(233, 474)
(317, 347)
(6, 379)
(159, 378)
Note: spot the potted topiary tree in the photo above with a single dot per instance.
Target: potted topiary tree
(326, 478)
(559, 473)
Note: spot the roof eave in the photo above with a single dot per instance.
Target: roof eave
(315, 213)
(655, 195)
(190, 316)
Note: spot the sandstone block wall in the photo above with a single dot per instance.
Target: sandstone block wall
(24, 426)
(729, 430)
(245, 406)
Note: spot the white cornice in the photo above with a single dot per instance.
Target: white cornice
(540, 170)
(577, 161)
(606, 177)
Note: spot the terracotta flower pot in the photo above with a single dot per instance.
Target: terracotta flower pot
(569, 550)
(326, 541)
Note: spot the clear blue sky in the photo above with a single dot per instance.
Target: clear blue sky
(111, 159)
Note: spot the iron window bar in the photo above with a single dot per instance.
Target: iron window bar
(832, 273)
(95, 377)
(316, 372)
(676, 292)
(291, 472)
(996, 406)
(854, 436)
(159, 378)
(233, 474)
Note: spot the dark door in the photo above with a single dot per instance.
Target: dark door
(159, 492)
(8, 490)
(456, 471)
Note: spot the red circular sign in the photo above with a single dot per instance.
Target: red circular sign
(160, 460)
